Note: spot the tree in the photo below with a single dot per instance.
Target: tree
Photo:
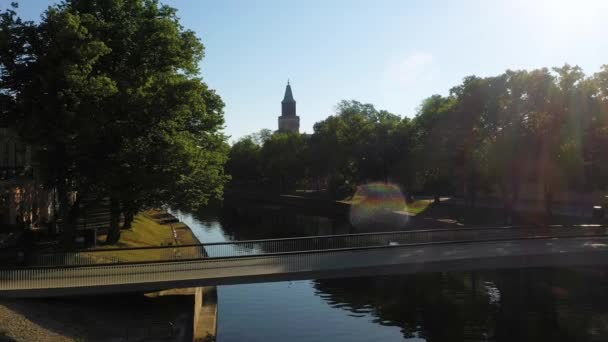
(546, 129)
(262, 136)
(244, 161)
(109, 90)
(432, 151)
(358, 144)
(596, 145)
(282, 160)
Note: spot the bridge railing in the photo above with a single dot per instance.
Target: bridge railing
(236, 249)
(255, 257)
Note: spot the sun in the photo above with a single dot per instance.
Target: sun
(570, 13)
(561, 20)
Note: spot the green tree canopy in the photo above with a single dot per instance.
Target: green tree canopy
(244, 161)
(109, 90)
(283, 160)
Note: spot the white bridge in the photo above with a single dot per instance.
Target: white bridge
(239, 262)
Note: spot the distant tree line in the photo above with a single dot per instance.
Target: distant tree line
(110, 94)
(545, 126)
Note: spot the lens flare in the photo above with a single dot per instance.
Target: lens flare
(378, 206)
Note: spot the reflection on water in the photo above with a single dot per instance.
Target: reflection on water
(437, 307)
(506, 305)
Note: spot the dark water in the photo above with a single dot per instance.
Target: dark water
(507, 305)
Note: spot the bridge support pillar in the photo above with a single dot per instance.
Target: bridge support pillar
(205, 314)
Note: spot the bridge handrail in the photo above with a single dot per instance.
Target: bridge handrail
(303, 252)
(300, 238)
(152, 276)
(326, 242)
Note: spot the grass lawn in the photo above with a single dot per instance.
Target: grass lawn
(354, 199)
(418, 206)
(147, 231)
(414, 208)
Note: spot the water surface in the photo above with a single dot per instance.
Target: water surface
(506, 305)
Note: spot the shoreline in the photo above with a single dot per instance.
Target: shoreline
(174, 314)
(205, 298)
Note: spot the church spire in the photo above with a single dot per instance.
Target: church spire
(288, 95)
(289, 121)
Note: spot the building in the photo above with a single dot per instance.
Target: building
(23, 200)
(289, 121)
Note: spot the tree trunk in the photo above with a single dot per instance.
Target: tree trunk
(509, 211)
(506, 206)
(385, 169)
(548, 205)
(114, 230)
(473, 197)
(75, 210)
(129, 215)
(62, 193)
(409, 197)
(64, 220)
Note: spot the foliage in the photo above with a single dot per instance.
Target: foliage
(359, 144)
(244, 161)
(434, 150)
(109, 92)
(282, 160)
(494, 135)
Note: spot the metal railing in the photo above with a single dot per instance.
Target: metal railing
(248, 248)
(107, 267)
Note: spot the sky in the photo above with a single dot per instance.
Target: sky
(392, 54)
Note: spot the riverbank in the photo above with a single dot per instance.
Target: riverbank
(153, 228)
(382, 210)
(319, 206)
(327, 206)
(160, 228)
(172, 315)
(375, 209)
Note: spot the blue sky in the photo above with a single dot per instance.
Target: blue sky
(389, 53)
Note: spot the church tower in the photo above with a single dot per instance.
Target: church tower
(289, 121)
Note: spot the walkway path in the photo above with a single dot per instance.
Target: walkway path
(455, 256)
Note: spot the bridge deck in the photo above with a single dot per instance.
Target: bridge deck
(449, 256)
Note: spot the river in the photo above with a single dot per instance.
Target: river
(507, 305)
